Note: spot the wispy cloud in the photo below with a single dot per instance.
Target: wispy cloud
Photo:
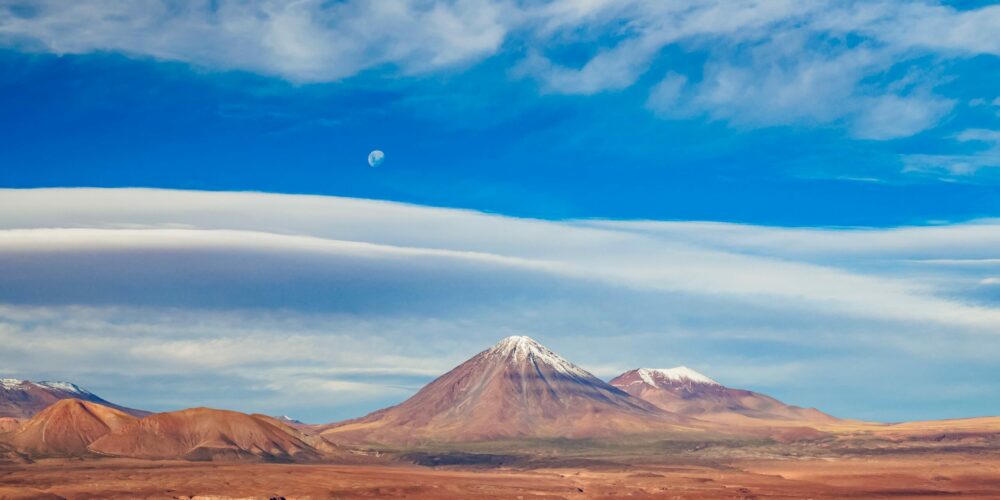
(781, 63)
(300, 40)
(764, 63)
(986, 156)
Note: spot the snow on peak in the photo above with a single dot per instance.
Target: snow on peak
(13, 383)
(519, 348)
(515, 342)
(10, 383)
(63, 386)
(653, 376)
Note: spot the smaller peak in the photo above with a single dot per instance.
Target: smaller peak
(70, 403)
(676, 374)
(79, 406)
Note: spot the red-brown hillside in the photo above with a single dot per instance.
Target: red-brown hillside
(66, 428)
(9, 424)
(207, 434)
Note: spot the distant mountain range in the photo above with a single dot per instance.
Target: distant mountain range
(515, 389)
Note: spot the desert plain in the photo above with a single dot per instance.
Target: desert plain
(940, 459)
(935, 475)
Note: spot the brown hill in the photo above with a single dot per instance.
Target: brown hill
(66, 428)
(687, 392)
(23, 398)
(517, 388)
(207, 434)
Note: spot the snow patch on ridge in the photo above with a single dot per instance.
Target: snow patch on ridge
(62, 386)
(518, 349)
(654, 376)
(10, 383)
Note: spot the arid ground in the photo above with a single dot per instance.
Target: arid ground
(937, 475)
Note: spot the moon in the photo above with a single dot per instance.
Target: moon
(375, 158)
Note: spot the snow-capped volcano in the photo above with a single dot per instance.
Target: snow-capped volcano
(516, 388)
(687, 392)
(24, 398)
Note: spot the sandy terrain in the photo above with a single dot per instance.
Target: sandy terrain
(933, 476)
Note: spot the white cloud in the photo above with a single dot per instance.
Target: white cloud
(778, 63)
(303, 40)
(390, 238)
(665, 97)
(965, 242)
(766, 62)
(960, 165)
(939, 27)
(892, 116)
(365, 300)
(980, 135)
(610, 70)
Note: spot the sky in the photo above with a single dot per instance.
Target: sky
(799, 198)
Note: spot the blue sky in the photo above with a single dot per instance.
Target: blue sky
(769, 115)
(783, 114)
